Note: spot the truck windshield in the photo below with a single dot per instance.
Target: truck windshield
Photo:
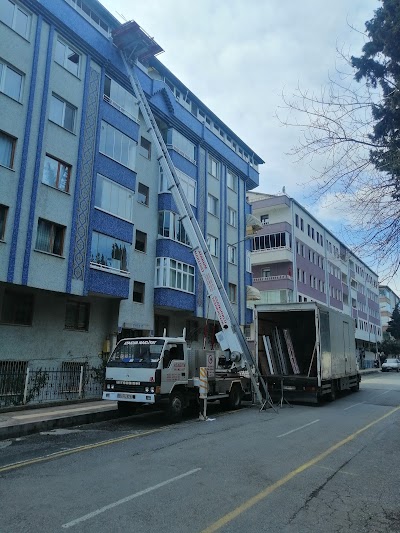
(137, 353)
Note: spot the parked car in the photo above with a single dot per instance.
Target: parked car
(391, 364)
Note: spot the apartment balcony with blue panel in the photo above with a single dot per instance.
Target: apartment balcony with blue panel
(174, 299)
(110, 255)
(107, 281)
(125, 119)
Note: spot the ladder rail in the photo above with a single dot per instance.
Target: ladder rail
(231, 329)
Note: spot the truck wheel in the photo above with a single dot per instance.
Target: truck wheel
(331, 397)
(175, 407)
(126, 408)
(235, 397)
(355, 388)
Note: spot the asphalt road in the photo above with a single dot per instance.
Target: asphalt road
(333, 468)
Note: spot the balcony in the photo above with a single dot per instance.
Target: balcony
(268, 283)
(272, 255)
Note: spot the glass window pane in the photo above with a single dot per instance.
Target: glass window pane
(59, 54)
(6, 149)
(73, 62)
(69, 119)
(12, 84)
(50, 170)
(7, 12)
(21, 23)
(56, 110)
(109, 141)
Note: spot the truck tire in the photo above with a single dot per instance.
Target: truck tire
(355, 388)
(175, 407)
(331, 397)
(127, 408)
(235, 397)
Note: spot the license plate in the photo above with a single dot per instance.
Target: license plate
(126, 396)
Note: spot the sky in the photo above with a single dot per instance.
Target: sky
(240, 56)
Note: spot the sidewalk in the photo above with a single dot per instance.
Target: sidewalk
(24, 422)
(27, 421)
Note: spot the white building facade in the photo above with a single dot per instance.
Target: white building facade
(296, 259)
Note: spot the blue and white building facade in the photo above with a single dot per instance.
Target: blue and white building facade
(91, 246)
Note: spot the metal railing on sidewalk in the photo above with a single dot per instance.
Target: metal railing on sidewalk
(21, 385)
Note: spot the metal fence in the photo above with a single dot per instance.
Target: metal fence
(21, 385)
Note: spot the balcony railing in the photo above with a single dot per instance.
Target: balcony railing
(274, 278)
(277, 249)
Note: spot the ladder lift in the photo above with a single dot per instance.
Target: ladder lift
(134, 44)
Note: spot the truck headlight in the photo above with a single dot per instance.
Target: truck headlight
(152, 389)
(146, 389)
(112, 386)
(108, 386)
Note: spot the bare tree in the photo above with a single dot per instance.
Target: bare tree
(336, 127)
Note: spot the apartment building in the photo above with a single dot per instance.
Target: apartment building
(91, 245)
(296, 259)
(388, 300)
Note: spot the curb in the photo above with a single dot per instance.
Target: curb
(21, 430)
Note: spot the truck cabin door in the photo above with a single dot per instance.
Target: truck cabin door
(174, 367)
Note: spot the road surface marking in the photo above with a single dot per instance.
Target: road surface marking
(297, 429)
(226, 519)
(372, 397)
(127, 499)
(84, 448)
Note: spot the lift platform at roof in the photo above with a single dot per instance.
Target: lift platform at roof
(131, 39)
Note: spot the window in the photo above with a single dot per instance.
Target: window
(109, 252)
(15, 17)
(117, 146)
(212, 244)
(56, 173)
(266, 273)
(7, 150)
(231, 254)
(297, 220)
(114, 198)
(145, 148)
(50, 237)
(232, 217)
(62, 113)
(90, 15)
(302, 224)
(212, 205)
(120, 98)
(188, 185)
(77, 315)
(265, 242)
(232, 292)
(141, 241)
(183, 146)
(213, 167)
(308, 230)
(248, 261)
(67, 57)
(14, 384)
(138, 292)
(174, 274)
(10, 82)
(264, 220)
(3, 220)
(17, 308)
(143, 194)
(170, 226)
(231, 180)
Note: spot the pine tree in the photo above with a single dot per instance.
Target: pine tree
(394, 323)
(379, 65)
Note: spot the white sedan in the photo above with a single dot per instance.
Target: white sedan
(391, 364)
